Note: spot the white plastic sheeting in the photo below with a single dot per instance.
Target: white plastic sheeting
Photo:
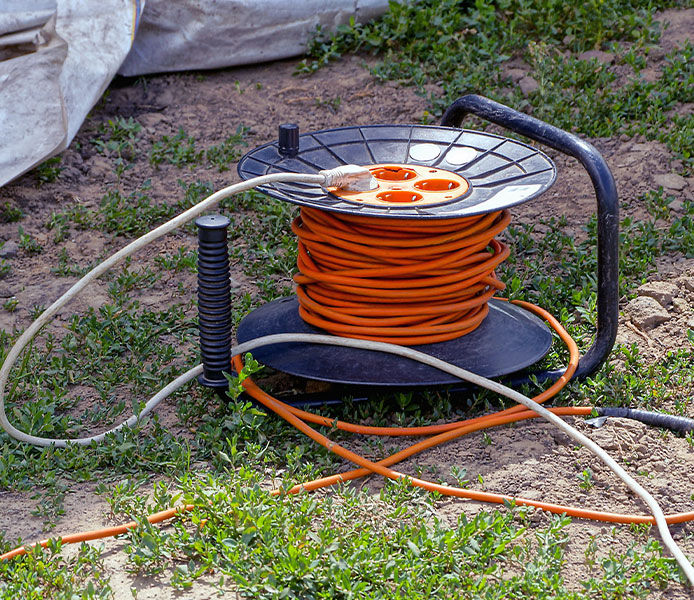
(56, 60)
(208, 34)
(58, 56)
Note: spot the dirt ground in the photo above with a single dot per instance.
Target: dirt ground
(529, 460)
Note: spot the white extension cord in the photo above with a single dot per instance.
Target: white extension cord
(348, 176)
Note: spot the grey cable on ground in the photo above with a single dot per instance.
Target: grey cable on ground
(410, 353)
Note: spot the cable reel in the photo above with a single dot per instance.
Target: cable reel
(426, 176)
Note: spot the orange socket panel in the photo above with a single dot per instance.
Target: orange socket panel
(408, 185)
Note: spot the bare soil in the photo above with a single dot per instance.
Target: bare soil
(530, 459)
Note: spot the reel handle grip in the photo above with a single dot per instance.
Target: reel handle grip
(607, 213)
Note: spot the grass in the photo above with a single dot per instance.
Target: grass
(97, 368)
(48, 172)
(10, 213)
(178, 150)
(229, 151)
(119, 138)
(352, 544)
(48, 574)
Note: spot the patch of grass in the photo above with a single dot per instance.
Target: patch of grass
(636, 383)
(28, 243)
(436, 33)
(184, 259)
(350, 544)
(50, 501)
(59, 222)
(119, 138)
(9, 213)
(178, 150)
(131, 215)
(129, 279)
(332, 104)
(67, 267)
(5, 266)
(193, 193)
(120, 344)
(49, 170)
(586, 479)
(120, 354)
(10, 305)
(46, 573)
(229, 151)
(462, 48)
(556, 271)
(268, 254)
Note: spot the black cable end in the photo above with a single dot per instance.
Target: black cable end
(654, 419)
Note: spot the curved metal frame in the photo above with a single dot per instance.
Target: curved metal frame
(607, 202)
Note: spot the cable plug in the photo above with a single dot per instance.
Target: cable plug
(350, 178)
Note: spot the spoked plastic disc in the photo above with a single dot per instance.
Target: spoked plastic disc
(499, 172)
(508, 340)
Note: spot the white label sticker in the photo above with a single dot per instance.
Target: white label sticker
(424, 152)
(460, 155)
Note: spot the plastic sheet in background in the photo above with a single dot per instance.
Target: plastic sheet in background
(58, 56)
(204, 34)
(56, 60)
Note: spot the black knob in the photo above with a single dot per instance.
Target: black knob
(288, 143)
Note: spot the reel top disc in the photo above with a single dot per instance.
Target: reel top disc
(488, 172)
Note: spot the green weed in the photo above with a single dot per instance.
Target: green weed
(119, 138)
(46, 573)
(178, 150)
(49, 170)
(28, 243)
(10, 305)
(183, 259)
(9, 213)
(229, 151)
(586, 479)
(67, 267)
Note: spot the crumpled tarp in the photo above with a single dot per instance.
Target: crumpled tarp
(58, 56)
(56, 59)
(185, 34)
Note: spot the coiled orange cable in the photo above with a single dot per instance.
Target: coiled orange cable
(402, 281)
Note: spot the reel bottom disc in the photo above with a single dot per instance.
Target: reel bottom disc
(509, 339)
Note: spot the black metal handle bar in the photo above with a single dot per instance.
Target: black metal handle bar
(608, 209)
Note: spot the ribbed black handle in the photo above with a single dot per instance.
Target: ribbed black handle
(214, 300)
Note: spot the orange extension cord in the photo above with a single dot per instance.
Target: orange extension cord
(403, 281)
(459, 278)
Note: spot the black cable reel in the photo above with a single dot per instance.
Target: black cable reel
(501, 173)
